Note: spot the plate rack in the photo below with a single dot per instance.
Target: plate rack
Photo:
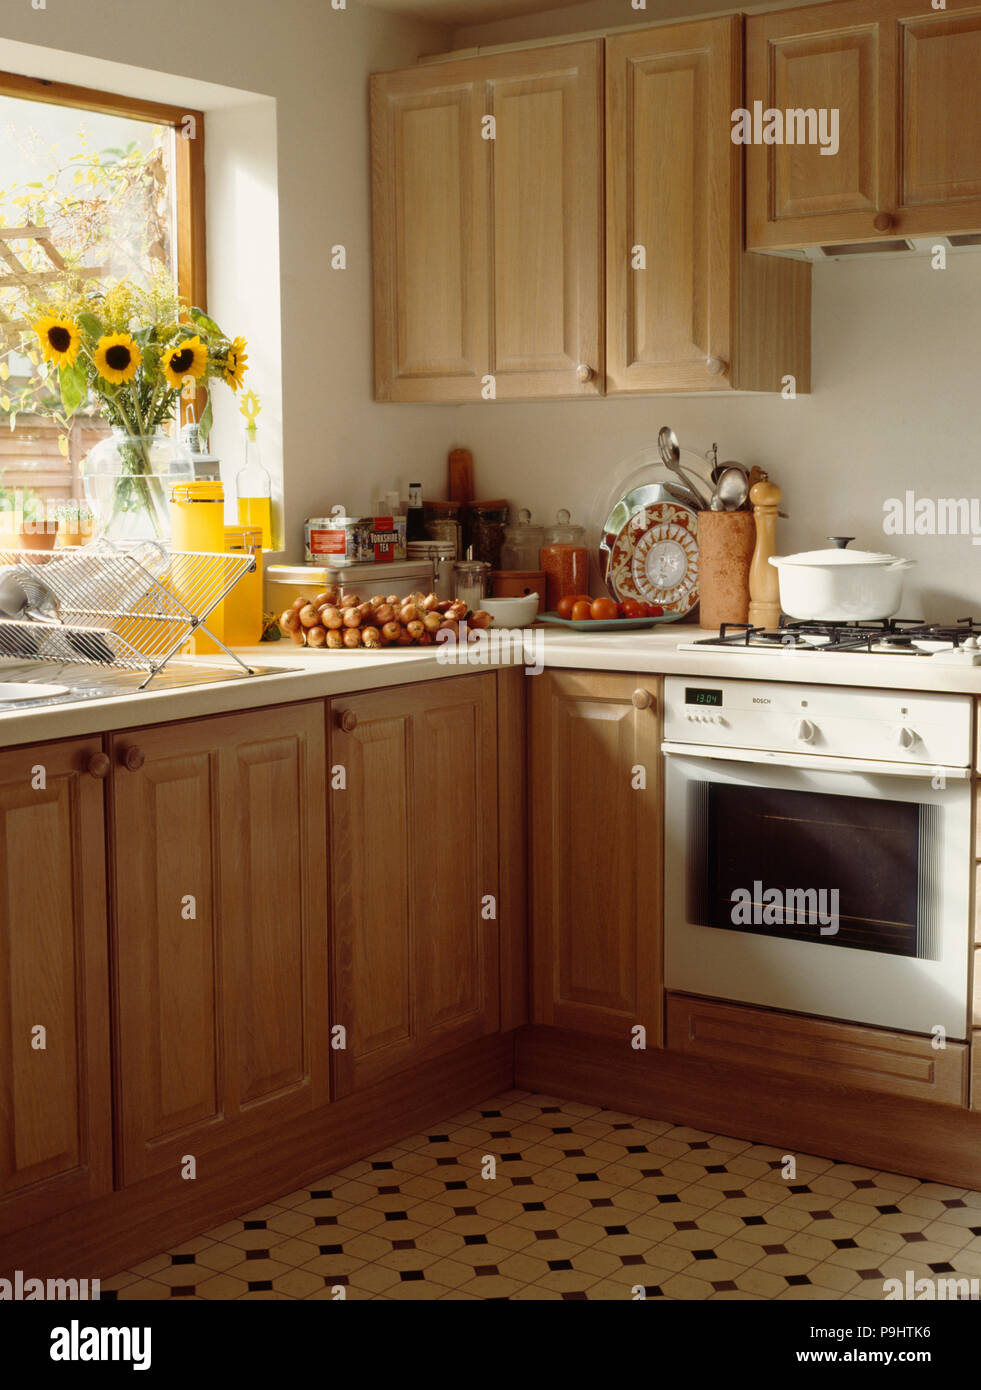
(128, 607)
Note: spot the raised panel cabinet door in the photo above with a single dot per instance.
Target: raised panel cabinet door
(596, 813)
(940, 70)
(673, 200)
(430, 201)
(413, 855)
(816, 62)
(55, 1099)
(220, 931)
(547, 161)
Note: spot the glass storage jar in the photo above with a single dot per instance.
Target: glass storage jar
(565, 559)
(522, 545)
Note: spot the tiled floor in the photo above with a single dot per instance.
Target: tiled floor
(586, 1203)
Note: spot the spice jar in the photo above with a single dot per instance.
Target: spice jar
(565, 559)
(443, 523)
(522, 544)
(488, 521)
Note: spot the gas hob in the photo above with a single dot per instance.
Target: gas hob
(957, 643)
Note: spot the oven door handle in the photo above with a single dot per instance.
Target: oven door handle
(814, 761)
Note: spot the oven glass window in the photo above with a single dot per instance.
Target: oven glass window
(840, 870)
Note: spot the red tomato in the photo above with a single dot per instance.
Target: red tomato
(653, 610)
(633, 608)
(581, 610)
(603, 609)
(564, 607)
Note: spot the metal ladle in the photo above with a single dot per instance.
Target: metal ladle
(731, 490)
(670, 449)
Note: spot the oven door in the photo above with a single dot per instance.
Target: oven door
(840, 893)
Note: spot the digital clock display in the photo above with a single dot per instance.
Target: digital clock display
(696, 695)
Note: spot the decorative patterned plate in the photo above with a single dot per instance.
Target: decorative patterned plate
(654, 558)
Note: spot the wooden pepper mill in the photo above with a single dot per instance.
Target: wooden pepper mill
(764, 582)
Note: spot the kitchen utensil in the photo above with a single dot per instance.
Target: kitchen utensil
(667, 442)
(459, 476)
(24, 595)
(731, 489)
(512, 612)
(654, 558)
(725, 550)
(605, 624)
(764, 595)
(840, 585)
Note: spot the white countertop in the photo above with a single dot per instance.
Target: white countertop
(304, 675)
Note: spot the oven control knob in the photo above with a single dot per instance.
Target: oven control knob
(805, 731)
(904, 736)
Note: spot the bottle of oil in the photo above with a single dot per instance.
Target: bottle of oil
(253, 490)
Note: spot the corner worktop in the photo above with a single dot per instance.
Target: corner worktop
(303, 675)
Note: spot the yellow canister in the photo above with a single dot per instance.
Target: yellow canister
(243, 606)
(197, 523)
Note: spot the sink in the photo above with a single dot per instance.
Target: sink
(64, 683)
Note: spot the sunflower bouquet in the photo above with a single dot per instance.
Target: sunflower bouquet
(136, 351)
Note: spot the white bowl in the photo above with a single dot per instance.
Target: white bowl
(512, 612)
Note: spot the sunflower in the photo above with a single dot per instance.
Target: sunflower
(189, 358)
(117, 357)
(60, 338)
(236, 364)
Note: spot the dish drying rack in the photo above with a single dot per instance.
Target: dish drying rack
(130, 608)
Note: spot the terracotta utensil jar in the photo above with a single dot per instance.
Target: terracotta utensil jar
(725, 550)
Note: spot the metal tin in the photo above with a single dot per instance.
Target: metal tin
(284, 583)
(332, 540)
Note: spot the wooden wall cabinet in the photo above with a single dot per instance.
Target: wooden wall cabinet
(413, 859)
(488, 251)
(909, 157)
(597, 837)
(219, 932)
(687, 308)
(55, 1114)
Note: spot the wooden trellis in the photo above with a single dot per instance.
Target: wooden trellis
(21, 277)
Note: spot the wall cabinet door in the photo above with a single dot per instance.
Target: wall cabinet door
(687, 310)
(219, 931)
(55, 1106)
(487, 205)
(908, 161)
(597, 815)
(413, 859)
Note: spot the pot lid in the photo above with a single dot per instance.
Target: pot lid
(850, 558)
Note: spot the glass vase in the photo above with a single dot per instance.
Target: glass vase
(128, 481)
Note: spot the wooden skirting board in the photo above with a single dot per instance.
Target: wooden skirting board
(900, 1135)
(117, 1231)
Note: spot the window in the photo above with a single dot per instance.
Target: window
(106, 185)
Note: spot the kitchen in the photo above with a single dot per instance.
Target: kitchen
(446, 911)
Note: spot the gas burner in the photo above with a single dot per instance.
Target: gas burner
(881, 637)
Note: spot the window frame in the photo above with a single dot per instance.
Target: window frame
(189, 161)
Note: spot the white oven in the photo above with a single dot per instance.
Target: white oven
(818, 851)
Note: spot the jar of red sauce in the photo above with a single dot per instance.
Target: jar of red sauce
(565, 560)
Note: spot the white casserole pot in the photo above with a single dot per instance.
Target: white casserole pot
(840, 585)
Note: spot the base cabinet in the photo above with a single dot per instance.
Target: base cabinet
(219, 932)
(55, 1113)
(597, 815)
(413, 868)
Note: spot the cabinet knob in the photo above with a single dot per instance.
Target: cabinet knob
(98, 765)
(585, 373)
(349, 721)
(883, 221)
(716, 366)
(642, 699)
(133, 758)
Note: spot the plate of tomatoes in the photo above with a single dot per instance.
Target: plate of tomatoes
(585, 614)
